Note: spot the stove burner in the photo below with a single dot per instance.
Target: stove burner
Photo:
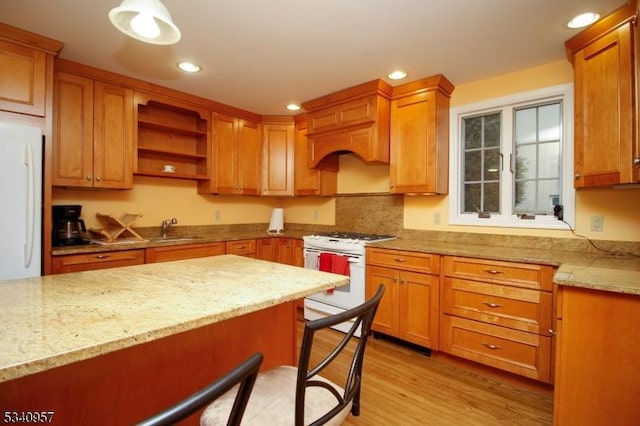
(357, 236)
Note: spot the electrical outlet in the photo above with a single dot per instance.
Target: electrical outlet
(216, 215)
(316, 215)
(597, 223)
(436, 218)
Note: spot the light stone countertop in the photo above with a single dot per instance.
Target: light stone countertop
(620, 274)
(60, 319)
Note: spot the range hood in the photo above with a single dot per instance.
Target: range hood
(352, 120)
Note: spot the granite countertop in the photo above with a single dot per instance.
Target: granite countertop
(60, 319)
(615, 273)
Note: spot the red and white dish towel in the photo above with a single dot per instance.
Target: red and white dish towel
(335, 263)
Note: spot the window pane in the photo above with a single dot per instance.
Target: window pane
(491, 198)
(472, 166)
(525, 197)
(472, 132)
(525, 126)
(548, 195)
(492, 130)
(549, 166)
(472, 197)
(549, 123)
(526, 162)
(492, 164)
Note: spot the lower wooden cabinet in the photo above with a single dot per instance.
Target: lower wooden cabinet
(181, 252)
(499, 314)
(409, 309)
(246, 248)
(598, 353)
(101, 260)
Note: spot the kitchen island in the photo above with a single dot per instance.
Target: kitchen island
(114, 346)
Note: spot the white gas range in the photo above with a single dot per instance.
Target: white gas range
(342, 253)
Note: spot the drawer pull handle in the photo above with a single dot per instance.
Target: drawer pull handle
(493, 271)
(399, 259)
(241, 247)
(492, 305)
(492, 347)
(102, 256)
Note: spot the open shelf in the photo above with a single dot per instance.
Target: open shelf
(175, 136)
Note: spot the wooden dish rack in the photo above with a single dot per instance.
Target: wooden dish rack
(114, 228)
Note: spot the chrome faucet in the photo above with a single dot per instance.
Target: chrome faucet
(166, 224)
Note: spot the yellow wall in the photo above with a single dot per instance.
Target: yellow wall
(158, 199)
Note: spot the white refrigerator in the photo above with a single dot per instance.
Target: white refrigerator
(20, 201)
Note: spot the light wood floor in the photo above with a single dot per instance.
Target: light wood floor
(404, 387)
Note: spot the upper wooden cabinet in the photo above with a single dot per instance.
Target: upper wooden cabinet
(23, 61)
(354, 120)
(93, 133)
(277, 156)
(606, 107)
(420, 137)
(236, 156)
(172, 138)
(321, 180)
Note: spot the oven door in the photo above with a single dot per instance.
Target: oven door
(347, 296)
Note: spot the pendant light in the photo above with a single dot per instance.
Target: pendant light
(145, 20)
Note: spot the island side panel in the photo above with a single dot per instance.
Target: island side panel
(126, 386)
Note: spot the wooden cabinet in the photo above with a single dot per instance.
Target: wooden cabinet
(245, 248)
(419, 161)
(237, 157)
(499, 314)
(355, 119)
(23, 61)
(409, 308)
(597, 358)
(93, 134)
(277, 158)
(321, 180)
(282, 250)
(172, 138)
(181, 252)
(606, 108)
(90, 261)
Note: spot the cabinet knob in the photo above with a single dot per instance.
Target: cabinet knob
(88, 178)
(577, 176)
(636, 162)
(552, 332)
(98, 178)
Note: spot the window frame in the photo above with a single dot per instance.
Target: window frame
(507, 105)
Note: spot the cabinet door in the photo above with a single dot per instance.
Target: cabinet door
(604, 110)
(225, 153)
(322, 180)
(23, 79)
(264, 249)
(419, 145)
(277, 161)
(297, 253)
(418, 309)
(73, 131)
(112, 137)
(386, 319)
(249, 158)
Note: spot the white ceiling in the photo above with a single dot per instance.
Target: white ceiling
(260, 55)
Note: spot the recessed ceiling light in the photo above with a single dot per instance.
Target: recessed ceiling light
(397, 75)
(583, 19)
(188, 67)
(293, 107)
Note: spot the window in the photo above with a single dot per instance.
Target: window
(511, 160)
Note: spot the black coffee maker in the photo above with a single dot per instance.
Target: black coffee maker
(67, 226)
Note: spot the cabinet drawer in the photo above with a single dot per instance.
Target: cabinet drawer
(189, 251)
(241, 247)
(406, 260)
(91, 261)
(509, 273)
(518, 308)
(522, 353)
